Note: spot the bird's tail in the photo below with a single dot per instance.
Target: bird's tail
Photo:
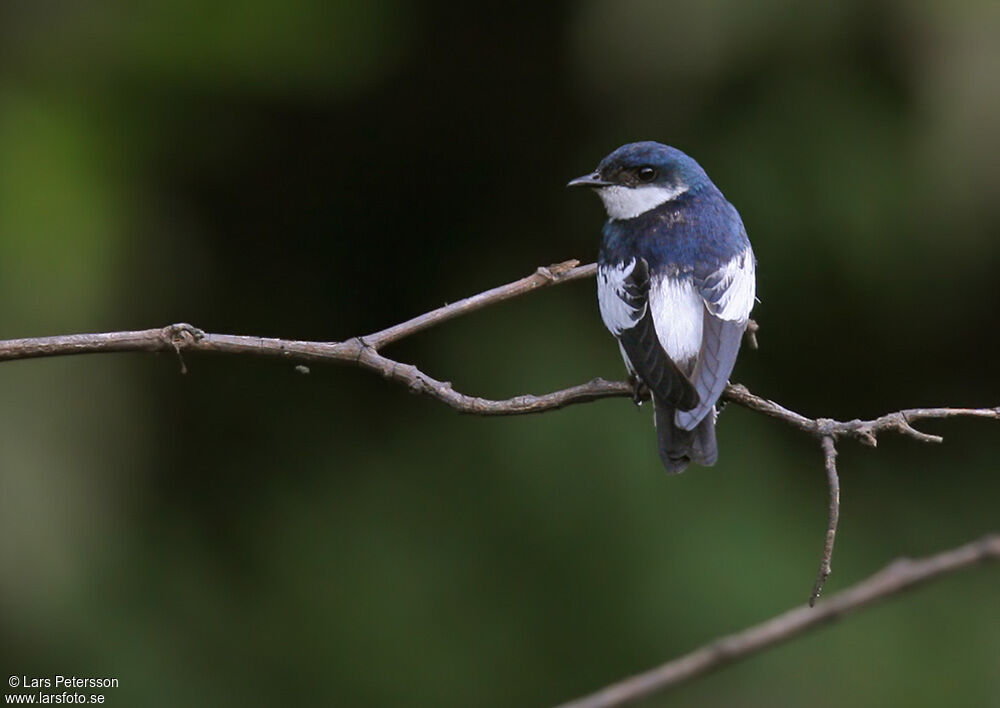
(679, 447)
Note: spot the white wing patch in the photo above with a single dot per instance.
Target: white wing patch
(728, 294)
(730, 291)
(678, 313)
(678, 305)
(617, 314)
(630, 202)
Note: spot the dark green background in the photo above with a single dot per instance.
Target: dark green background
(248, 536)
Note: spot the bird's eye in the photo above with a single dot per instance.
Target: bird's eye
(646, 174)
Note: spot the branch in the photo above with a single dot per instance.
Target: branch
(864, 431)
(360, 351)
(893, 579)
(365, 352)
(830, 457)
(544, 276)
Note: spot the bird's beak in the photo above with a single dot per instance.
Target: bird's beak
(591, 180)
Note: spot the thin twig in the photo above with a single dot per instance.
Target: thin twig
(543, 277)
(750, 335)
(830, 462)
(893, 579)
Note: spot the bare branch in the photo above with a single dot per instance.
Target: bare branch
(830, 457)
(177, 338)
(364, 352)
(183, 337)
(543, 277)
(893, 579)
(864, 431)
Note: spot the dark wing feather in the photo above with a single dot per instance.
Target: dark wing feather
(720, 345)
(645, 353)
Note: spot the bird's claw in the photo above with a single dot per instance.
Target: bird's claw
(640, 392)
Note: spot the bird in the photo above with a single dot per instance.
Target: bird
(676, 282)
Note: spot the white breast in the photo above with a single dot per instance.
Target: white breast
(678, 313)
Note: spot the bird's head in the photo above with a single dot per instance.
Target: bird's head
(641, 176)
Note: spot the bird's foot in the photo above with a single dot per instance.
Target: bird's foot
(640, 392)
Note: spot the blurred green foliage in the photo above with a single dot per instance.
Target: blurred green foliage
(244, 535)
